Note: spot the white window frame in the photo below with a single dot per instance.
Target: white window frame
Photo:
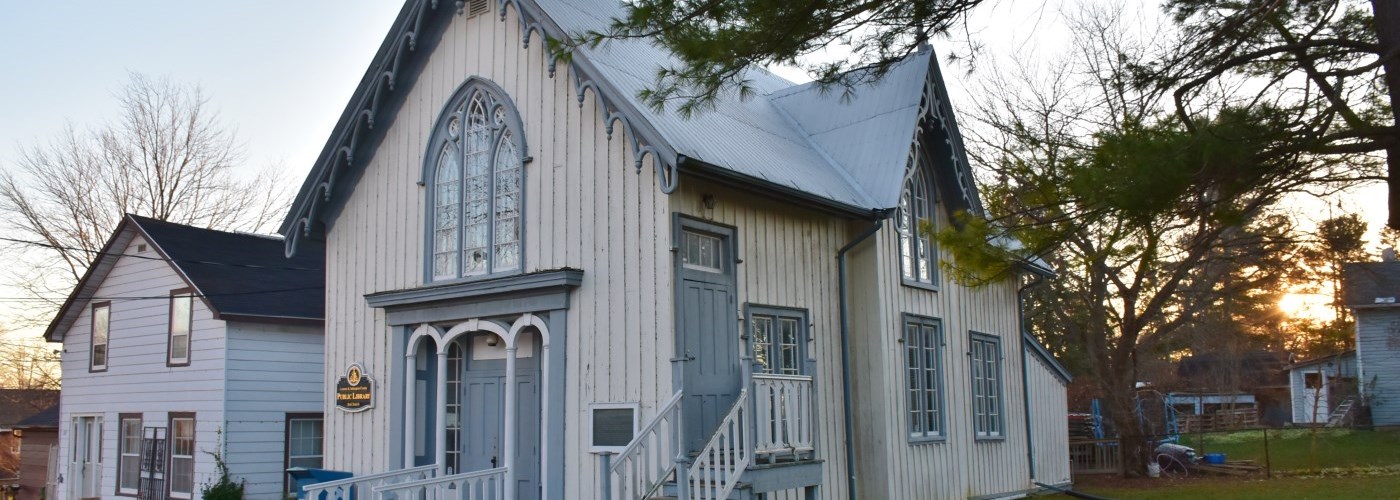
(287, 455)
(636, 424)
(123, 451)
(186, 296)
(105, 309)
(914, 271)
(920, 425)
(452, 138)
(171, 471)
(988, 401)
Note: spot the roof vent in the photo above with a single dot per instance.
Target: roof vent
(1388, 255)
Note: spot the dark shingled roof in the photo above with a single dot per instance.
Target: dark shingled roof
(19, 404)
(1364, 282)
(244, 275)
(46, 418)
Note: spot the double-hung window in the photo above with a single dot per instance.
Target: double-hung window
(476, 179)
(779, 340)
(305, 439)
(101, 324)
(129, 462)
(923, 365)
(182, 449)
(918, 257)
(181, 321)
(985, 356)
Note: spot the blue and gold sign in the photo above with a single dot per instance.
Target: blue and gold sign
(354, 391)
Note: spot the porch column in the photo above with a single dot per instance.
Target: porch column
(510, 420)
(410, 377)
(441, 438)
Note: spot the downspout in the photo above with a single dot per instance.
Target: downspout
(1025, 368)
(880, 216)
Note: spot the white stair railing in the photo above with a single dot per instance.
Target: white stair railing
(722, 461)
(361, 487)
(488, 484)
(649, 459)
(783, 414)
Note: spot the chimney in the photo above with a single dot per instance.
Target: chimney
(1388, 255)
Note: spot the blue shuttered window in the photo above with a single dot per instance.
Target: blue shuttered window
(923, 363)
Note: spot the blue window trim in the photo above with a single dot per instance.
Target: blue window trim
(807, 364)
(922, 170)
(428, 173)
(995, 341)
(940, 339)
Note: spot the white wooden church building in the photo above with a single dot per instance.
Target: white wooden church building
(558, 292)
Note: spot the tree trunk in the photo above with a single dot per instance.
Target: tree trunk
(1134, 443)
(1387, 24)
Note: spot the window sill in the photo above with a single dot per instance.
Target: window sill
(918, 284)
(922, 441)
(990, 439)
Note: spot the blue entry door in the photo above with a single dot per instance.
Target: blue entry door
(481, 439)
(708, 329)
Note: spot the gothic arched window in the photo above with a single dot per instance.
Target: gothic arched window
(475, 176)
(918, 255)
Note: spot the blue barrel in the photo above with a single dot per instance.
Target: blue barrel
(1215, 458)
(306, 476)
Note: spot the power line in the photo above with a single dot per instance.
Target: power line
(147, 257)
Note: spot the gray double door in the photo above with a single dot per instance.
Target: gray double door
(481, 440)
(708, 329)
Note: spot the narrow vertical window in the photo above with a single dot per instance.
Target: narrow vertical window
(456, 363)
(181, 319)
(985, 356)
(182, 449)
(918, 256)
(923, 363)
(477, 168)
(129, 449)
(305, 443)
(101, 323)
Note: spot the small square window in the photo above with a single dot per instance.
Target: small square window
(702, 252)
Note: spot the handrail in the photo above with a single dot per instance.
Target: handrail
(648, 460)
(489, 484)
(783, 414)
(716, 471)
(353, 485)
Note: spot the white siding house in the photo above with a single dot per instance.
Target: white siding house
(192, 341)
(1318, 386)
(564, 293)
(1372, 291)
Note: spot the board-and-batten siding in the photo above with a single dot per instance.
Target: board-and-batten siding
(888, 465)
(586, 207)
(1378, 360)
(789, 260)
(1049, 427)
(272, 370)
(137, 379)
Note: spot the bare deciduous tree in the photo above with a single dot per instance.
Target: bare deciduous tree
(166, 156)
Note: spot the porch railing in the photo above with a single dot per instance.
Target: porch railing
(717, 468)
(783, 414)
(488, 484)
(650, 458)
(1095, 456)
(362, 487)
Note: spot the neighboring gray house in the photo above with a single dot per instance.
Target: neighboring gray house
(1318, 386)
(189, 341)
(1372, 291)
(542, 274)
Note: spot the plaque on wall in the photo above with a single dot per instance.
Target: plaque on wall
(354, 391)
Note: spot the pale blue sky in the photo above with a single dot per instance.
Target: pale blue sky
(279, 72)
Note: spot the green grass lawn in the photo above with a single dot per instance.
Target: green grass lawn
(1291, 449)
(1384, 487)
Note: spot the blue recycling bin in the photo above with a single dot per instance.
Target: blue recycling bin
(303, 476)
